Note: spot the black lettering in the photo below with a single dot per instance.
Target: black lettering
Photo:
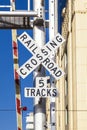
(28, 66)
(50, 65)
(48, 48)
(54, 92)
(38, 92)
(23, 72)
(42, 92)
(48, 92)
(44, 52)
(58, 38)
(28, 43)
(34, 50)
(54, 70)
(53, 44)
(23, 37)
(59, 73)
(46, 61)
(41, 83)
(27, 91)
(39, 56)
(33, 61)
(32, 46)
(32, 92)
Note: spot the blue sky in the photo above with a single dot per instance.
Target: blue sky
(7, 86)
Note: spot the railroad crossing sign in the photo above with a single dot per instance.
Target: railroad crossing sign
(40, 56)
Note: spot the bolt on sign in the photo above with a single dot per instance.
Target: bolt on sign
(40, 56)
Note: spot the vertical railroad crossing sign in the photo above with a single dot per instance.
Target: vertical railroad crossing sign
(40, 56)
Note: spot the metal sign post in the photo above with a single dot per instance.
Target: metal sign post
(39, 37)
(53, 30)
(16, 76)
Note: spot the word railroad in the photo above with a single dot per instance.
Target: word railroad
(40, 56)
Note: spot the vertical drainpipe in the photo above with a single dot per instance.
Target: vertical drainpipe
(39, 37)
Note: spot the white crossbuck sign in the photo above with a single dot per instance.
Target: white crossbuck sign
(40, 56)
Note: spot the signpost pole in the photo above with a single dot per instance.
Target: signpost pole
(53, 29)
(39, 37)
(16, 76)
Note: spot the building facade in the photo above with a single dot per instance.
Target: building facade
(71, 105)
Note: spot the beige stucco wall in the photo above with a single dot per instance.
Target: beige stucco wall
(81, 69)
(79, 27)
(77, 64)
(74, 29)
